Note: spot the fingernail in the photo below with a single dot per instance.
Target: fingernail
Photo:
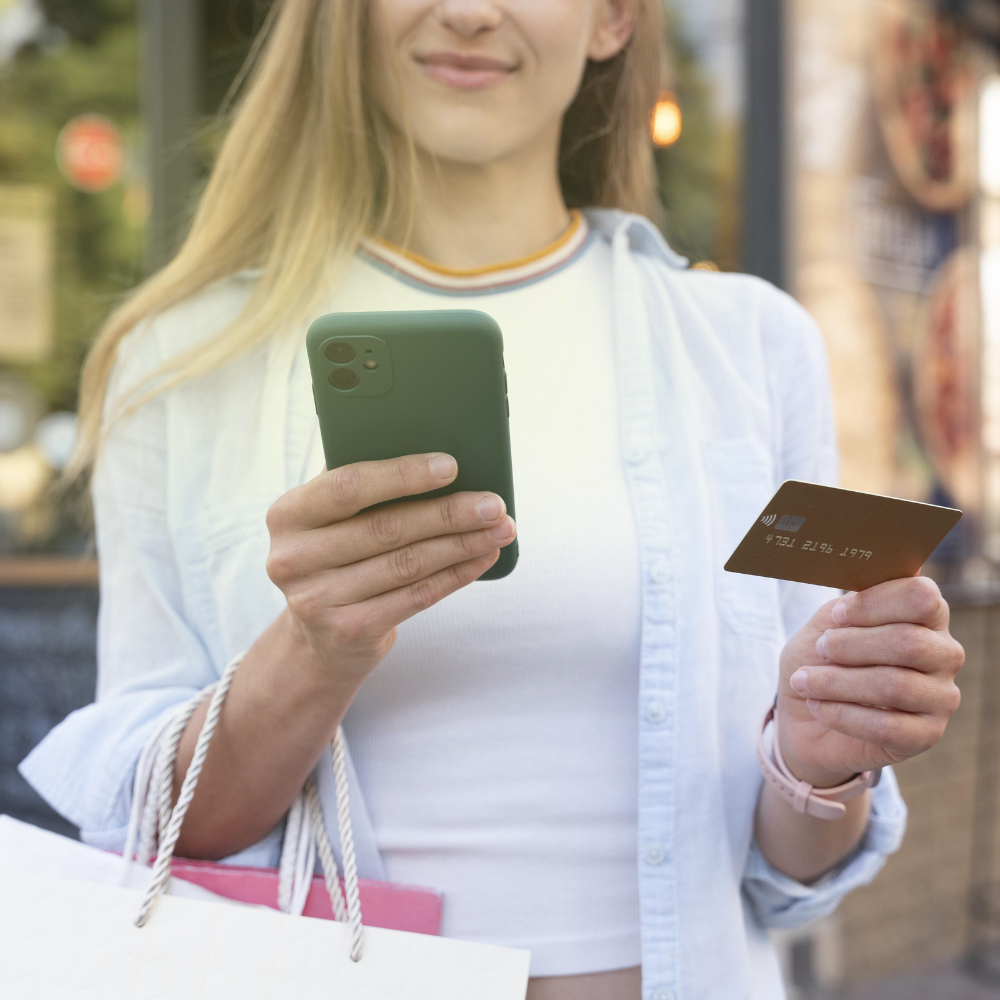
(502, 531)
(444, 466)
(821, 644)
(490, 507)
(799, 680)
(839, 612)
(813, 705)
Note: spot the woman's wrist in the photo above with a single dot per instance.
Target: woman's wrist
(818, 777)
(290, 675)
(801, 846)
(800, 831)
(314, 659)
(283, 710)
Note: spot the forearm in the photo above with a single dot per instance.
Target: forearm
(350, 576)
(282, 711)
(801, 846)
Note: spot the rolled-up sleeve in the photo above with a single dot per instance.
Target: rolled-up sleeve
(780, 901)
(149, 658)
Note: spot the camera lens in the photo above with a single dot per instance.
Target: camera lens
(339, 352)
(344, 378)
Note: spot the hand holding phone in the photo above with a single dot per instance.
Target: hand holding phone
(351, 574)
(388, 384)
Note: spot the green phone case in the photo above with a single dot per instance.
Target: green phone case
(402, 383)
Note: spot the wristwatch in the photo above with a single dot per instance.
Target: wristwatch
(823, 803)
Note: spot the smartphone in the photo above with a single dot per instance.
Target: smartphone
(388, 384)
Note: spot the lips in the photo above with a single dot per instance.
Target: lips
(465, 71)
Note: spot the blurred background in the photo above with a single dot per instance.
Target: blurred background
(848, 151)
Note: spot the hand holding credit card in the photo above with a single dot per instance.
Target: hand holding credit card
(809, 533)
(869, 679)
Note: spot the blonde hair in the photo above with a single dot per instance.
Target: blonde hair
(307, 168)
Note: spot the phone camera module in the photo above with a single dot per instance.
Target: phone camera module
(340, 352)
(344, 378)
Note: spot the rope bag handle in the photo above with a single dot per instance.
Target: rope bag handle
(305, 829)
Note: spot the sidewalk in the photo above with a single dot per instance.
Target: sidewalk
(937, 983)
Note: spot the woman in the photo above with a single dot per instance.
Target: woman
(433, 154)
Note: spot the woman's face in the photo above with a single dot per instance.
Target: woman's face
(483, 79)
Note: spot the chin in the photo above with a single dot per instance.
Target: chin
(475, 147)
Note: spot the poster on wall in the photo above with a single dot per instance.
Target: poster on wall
(884, 105)
(26, 272)
(924, 86)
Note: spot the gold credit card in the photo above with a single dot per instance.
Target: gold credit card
(840, 538)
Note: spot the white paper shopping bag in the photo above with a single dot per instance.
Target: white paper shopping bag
(28, 850)
(62, 939)
(78, 938)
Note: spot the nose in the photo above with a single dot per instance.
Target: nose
(468, 18)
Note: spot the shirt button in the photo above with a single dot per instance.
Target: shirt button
(654, 854)
(664, 994)
(636, 453)
(656, 712)
(660, 572)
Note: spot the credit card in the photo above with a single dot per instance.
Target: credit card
(840, 538)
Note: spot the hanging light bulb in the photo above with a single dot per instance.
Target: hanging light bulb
(666, 123)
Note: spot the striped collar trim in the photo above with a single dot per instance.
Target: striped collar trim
(423, 273)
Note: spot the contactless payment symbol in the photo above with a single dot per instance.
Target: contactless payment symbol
(786, 522)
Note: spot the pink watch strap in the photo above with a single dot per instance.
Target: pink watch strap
(823, 803)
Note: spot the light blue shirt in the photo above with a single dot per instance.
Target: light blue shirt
(723, 394)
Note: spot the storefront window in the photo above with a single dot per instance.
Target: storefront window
(886, 249)
(700, 170)
(73, 204)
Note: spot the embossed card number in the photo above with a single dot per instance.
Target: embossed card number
(840, 538)
(788, 542)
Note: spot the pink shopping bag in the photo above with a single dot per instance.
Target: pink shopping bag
(384, 904)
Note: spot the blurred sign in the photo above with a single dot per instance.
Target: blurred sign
(26, 260)
(91, 153)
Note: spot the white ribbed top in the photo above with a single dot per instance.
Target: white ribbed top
(497, 743)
